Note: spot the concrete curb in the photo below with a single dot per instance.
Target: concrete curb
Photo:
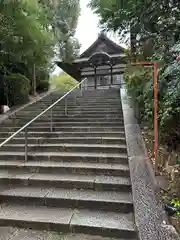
(150, 218)
(14, 111)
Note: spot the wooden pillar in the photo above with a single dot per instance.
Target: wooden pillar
(95, 78)
(111, 75)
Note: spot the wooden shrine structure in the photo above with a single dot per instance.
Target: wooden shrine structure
(103, 64)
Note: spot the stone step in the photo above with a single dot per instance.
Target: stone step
(78, 108)
(68, 198)
(108, 224)
(66, 119)
(76, 104)
(83, 168)
(68, 147)
(71, 112)
(69, 124)
(70, 118)
(79, 115)
(9, 233)
(59, 140)
(81, 102)
(66, 157)
(65, 180)
(57, 134)
(29, 234)
(65, 129)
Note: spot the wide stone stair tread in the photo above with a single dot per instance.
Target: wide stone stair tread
(99, 133)
(64, 219)
(68, 138)
(36, 214)
(118, 146)
(77, 111)
(76, 107)
(71, 177)
(59, 123)
(76, 117)
(76, 154)
(67, 127)
(79, 123)
(46, 164)
(72, 194)
(67, 178)
(9, 233)
(97, 114)
(110, 221)
(82, 168)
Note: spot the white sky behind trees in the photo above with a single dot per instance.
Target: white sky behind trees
(88, 30)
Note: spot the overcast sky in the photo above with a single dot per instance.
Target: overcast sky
(87, 30)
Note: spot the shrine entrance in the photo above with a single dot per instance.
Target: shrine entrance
(103, 64)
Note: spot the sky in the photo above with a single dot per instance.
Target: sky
(87, 29)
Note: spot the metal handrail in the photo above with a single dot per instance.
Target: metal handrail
(38, 116)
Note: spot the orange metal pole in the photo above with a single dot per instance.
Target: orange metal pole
(156, 111)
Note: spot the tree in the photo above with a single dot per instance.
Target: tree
(65, 23)
(29, 32)
(155, 24)
(64, 16)
(24, 37)
(158, 20)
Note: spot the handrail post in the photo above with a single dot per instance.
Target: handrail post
(81, 89)
(65, 110)
(26, 144)
(51, 120)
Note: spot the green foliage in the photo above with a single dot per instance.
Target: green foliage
(33, 32)
(18, 89)
(176, 204)
(24, 36)
(161, 25)
(159, 34)
(43, 86)
(67, 14)
(64, 19)
(63, 82)
(139, 82)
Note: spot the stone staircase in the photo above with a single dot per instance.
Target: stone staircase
(77, 177)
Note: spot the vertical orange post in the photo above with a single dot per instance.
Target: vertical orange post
(156, 112)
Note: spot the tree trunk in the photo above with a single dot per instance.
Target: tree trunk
(133, 42)
(34, 79)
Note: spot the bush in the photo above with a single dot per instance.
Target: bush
(63, 82)
(139, 81)
(18, 88)
(43, 86)
(140, 85)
